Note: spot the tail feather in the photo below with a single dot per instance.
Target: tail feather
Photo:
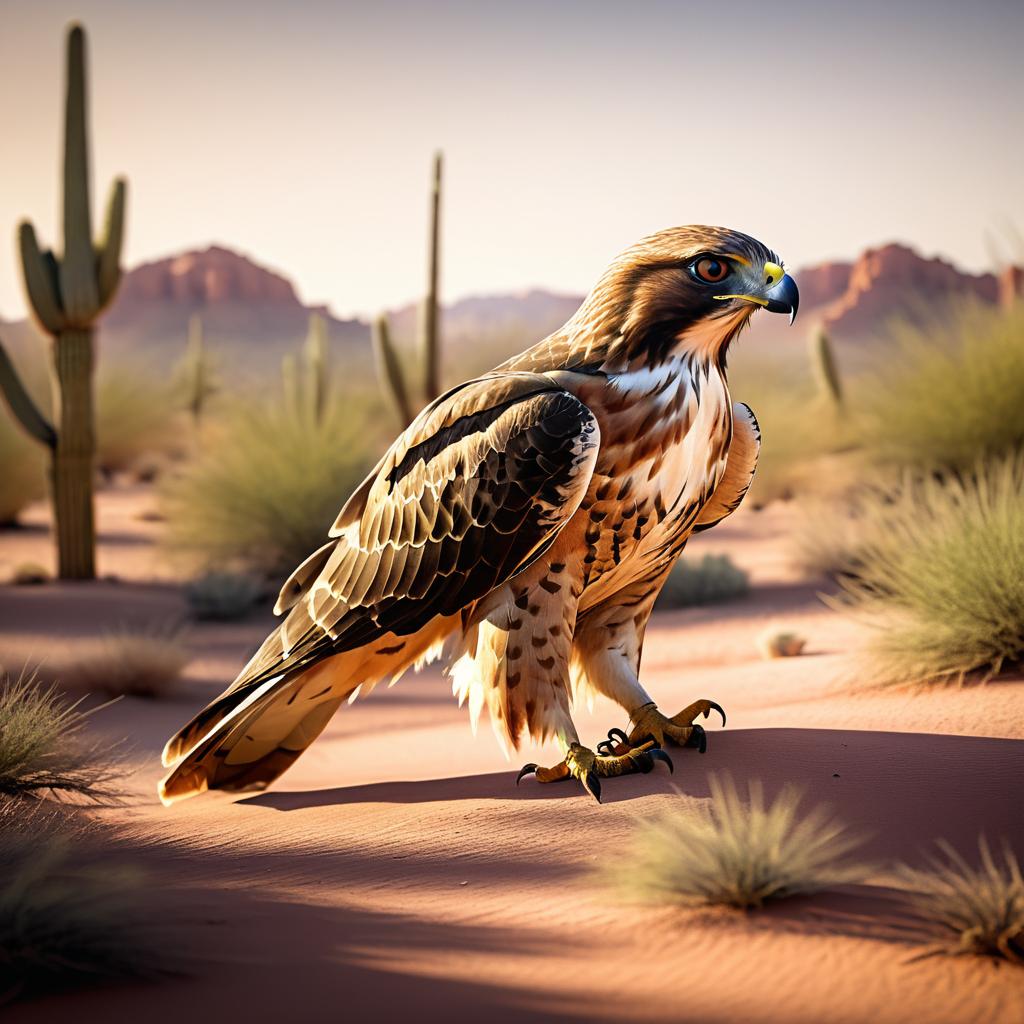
(254, 731)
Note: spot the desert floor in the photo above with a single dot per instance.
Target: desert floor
(397, 872)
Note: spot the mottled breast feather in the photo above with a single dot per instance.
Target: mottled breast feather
(739, 469)
(472, 492)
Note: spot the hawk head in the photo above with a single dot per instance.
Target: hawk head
(691, 288)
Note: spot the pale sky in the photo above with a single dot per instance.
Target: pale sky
(301, 133)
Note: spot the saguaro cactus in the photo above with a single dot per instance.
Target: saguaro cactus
(388, 364)
(66, 294)
(306, 377)
(825, 366)
(198, 376)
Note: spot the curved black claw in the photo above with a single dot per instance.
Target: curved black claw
(698, 738)
(718, 708)
(657, 754)
(527, 769)
(607, 747)
(592, 784)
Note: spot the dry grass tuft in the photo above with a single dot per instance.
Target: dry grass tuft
(133, 664)
(939, 573)
(969, 911)
(262, 496)
(135, 419)
(949, 393)
(69, 913)
(741, 853)
(42, 750)
(712, 580)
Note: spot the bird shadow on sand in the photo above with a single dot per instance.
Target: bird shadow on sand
(900, 789)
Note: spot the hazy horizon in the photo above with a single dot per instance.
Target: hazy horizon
(302, 136)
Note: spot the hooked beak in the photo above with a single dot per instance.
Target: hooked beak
(784, 298)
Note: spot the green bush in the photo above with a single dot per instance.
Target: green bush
(938, 572)
(801, 427)
(947, 395)
(42, 750)
(222, 596)
(969, 911)
(739, 853)
(22, 469)
(135, 418)
(711, 580)
(262, 494)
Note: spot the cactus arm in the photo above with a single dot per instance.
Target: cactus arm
(316, 365)
(41, 281)
(78, 265)
(430, 354)
(25, 411)
(390, 370)
(108, 263)
(825, 366)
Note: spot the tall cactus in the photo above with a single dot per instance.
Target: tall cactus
(67, 294)
(305, 377)
(389, 368)
(198, 376)
(825, 366)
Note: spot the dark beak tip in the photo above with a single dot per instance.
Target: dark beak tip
(784, 298)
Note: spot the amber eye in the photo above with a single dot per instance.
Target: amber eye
(710, 269)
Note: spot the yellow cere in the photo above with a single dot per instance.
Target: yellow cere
(773, 274)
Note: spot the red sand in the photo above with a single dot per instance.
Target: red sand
(396, 871)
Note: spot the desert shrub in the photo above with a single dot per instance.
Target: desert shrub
(939, 573)
(222, 596)
(947, 394)
(135, 418)
(774, 643)
(42, 749)
(966, 910)
(801, 428)
(69, 913)
(262, 496)
(29, 574)
(711, 580)
(127, 663)
(739, 853)
(22, 469)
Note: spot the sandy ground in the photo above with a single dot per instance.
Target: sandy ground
(397, 871)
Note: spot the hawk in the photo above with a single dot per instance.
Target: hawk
(522, 526)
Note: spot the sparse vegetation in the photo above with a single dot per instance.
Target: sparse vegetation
(222, 596)
(134, 419)
(42, 749)
(800, 428)
(67, 293)
(950, 394)
(23, 479)
(739, 853)
(939, 574)
(390, 374)
(712, 580)
(125, 663)
(967, 910)
(29, 574)
(69, 912)
(264, 496)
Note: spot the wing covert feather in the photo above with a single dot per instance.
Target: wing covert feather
(474, 490)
